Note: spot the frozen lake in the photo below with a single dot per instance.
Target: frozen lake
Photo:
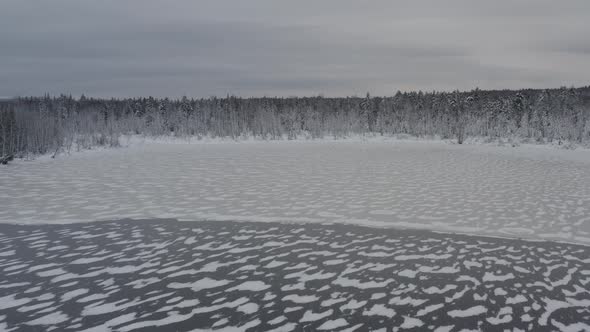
(165, 275)
(530, 192)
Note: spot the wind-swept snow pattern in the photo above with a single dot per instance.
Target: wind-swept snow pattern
(144, 274)
(524, 192)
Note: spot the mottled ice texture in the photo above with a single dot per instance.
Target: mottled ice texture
(531, 192)
(153, 279)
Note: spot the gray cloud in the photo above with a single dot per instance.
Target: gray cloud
(264, 47)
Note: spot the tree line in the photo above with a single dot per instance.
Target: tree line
(39, 125)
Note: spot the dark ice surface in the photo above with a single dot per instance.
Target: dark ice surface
(149, 275)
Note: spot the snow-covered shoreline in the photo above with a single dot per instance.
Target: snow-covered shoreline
(571, 150)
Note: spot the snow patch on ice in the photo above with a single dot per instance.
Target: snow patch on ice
(469, 312)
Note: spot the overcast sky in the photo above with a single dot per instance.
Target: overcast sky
(254, 48)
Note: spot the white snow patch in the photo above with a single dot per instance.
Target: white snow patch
(491, 277)
(429, 309)
(274, 264)
(299, 299)
(345, 282)
(248, 308)
(379, 310)
(473, 311)
(51, 273)
(10, 301)
(334, 262)
(204, 283)
(408, 273)
(410, 323)
(92, 297)
(353, 305)
(284, 328)
(50, 319)
(516, 299)
(435, 290)
(331, 325)
(252, 286)
(277, 320)
(574, 327)
(310, 316)
(7, 253)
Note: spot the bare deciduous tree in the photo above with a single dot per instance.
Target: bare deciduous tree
(31, 126)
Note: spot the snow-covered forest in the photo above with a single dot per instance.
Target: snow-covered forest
(41, 125)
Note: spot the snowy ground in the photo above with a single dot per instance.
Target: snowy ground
(181, 276)
(532, 192)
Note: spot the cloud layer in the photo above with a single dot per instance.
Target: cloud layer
(255, 48)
